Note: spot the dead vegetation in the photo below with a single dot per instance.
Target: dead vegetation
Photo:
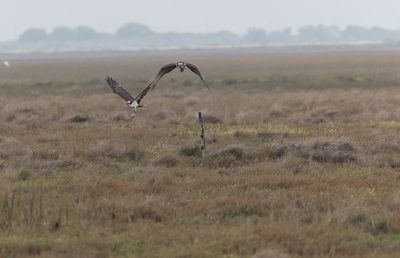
(303, 159)
(327, 151)
(166, 161)
(79, 119)
(230, 156)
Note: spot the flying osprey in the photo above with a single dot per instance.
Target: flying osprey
(182, 66)
(130, 101)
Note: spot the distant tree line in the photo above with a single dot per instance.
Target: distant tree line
(141, 35)
(321, 33)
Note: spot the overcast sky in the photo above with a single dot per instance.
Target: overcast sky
(194, 16)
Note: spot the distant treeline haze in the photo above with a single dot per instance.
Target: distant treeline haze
(135, 35)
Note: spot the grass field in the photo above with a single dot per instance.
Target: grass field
(303, 158)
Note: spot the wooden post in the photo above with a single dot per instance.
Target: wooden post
(202, 139)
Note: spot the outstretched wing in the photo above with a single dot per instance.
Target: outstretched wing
(143, 93)
(163, 71)
(117, 89)
(194, 69)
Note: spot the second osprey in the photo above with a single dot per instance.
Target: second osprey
(182, 66)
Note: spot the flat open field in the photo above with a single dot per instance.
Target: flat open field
(303, 158)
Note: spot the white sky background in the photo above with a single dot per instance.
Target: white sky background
(194, 15)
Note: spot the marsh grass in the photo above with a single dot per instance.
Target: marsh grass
(302, 159)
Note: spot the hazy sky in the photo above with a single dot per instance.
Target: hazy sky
(194, 15)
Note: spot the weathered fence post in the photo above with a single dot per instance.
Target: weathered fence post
(203, 141)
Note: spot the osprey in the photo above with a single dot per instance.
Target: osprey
(130, 101)
(182, 66)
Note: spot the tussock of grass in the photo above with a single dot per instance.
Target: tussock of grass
(333, 152)
(211, 119)
(279, 151)
(166, 161)
(145, 212)
(161, 115)
(191, 151)
(322, 116)
(117, 152)
(191, 102)
(24, 175)
(230, 156)
(122, 117)
(79, 119)
(326, 151)
(271, 254)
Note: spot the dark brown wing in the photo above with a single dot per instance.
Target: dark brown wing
(194, 69)
(117, 89)
(143, 93)
(163, 71)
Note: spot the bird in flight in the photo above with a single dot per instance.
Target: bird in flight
(130, 101)
(182, 66)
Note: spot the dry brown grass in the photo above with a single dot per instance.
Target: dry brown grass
(303, 158)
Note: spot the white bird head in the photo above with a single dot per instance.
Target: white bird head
(6, 63)
(181, 66)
